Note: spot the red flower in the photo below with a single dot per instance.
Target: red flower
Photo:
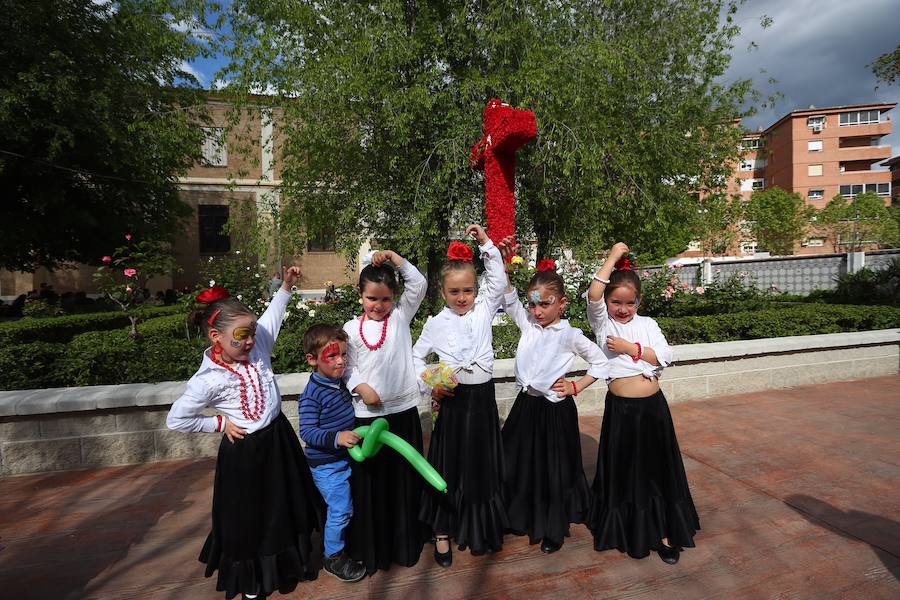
(107, 259)
(130, 272)
(128, 236)
(213, 294)
(548, 264)
(459, 251)
(626, 264)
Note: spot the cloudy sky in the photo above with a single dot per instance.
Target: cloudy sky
(817, 50)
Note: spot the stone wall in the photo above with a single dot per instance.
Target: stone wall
(790, 274)
(77, 428)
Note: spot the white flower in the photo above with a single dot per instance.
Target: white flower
(237, 251)
(294, 289)
(302, 305)
(266, 303)
(312, 313)
(287, 314)
(240, 297)
(212, 282)
(257, 275)
(209, 259)
(263, 265)
(248, 268)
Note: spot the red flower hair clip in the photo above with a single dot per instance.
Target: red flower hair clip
(460, 251)
(626, 263)
(213, 294)
(548, 264)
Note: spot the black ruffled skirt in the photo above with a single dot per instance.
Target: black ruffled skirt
(265, 505)
(467, 450)
(641, 492)
(545, 487)
(387, 493)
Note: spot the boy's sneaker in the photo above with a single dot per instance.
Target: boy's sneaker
(344, 568)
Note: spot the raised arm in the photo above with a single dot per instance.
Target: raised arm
(269, 324)
(415, 285)
(495, 280)
(601, 277)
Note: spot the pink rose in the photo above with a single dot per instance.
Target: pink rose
(645, 275)
(684, 284)
(700, 290)
(674, 280)
(128, 236)
(130, 272)
(107, 259)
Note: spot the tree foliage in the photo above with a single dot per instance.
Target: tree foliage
(853, 224)
(716, 224)
(779, 220)
(382, 102)
(887, 67)
(95, 125)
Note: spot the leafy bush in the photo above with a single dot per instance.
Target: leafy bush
(39, 309)
(64, 328)
(868, 286)
(794, 320)
(31, 365)
(666, 295)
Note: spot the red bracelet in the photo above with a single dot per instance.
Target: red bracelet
(219, 425)
(575, 388)
(639, 354)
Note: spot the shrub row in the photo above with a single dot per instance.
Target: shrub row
(168, 351)
(65, 328)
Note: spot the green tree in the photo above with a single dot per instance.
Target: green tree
(717, 223)
(852, 224)
(382, 102)
(887, 67)
(98, 116)
(778, 219)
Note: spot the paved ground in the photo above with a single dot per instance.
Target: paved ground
(798, 493)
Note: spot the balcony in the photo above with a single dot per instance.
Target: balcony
(872, 129)
(869, 154)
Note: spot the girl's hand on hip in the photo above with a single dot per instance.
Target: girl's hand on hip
(232, 431)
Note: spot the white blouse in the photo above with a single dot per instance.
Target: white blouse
(465, 342)
(640, 329)
(389, 369)
(545, 354)
(214, 386)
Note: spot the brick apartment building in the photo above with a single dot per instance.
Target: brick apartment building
(817, 153)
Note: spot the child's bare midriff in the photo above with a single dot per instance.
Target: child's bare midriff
(636, 386)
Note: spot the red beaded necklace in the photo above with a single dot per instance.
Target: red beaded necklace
(384, 327)
(259, 398)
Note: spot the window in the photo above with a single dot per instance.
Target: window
(861, 117)
(815, 123)
(324, 242)
(882, 189)
(814, 242)
(814, 170)
(215, 151)
(752, 185)
(758, 184)
(694, 246)
(751, 144)
(816, 194)
(211, 219)
(748, 247)
(747, 164)
(814, 146)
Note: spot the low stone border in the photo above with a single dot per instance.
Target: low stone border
(83, 427)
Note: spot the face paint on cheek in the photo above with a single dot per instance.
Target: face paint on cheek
(235, 343)
(330, 353)
(551, 299)
(535, 297)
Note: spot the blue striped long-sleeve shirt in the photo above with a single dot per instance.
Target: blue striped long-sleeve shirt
(326, 409)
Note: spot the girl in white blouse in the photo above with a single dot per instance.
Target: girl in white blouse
(466, 447)
(261, 469)
(387, 491)
(641, 497)
(545, 486)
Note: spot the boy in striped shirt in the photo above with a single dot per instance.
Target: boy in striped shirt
(326, 423)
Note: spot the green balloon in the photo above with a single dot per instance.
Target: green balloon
(377, 434)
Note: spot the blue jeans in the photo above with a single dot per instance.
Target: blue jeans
(333, 481)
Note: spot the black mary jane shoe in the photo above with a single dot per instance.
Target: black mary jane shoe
(444, 559)
(669, 554)
(548, 547)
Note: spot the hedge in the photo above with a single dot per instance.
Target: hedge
(65, 328)
(167, 351)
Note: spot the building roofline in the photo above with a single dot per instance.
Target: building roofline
(891, 161)
(805, 112)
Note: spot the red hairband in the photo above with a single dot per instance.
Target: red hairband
(213, 294)
(459, 251)
(548, 264)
